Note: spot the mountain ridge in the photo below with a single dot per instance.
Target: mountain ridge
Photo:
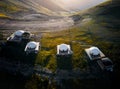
(39, 5)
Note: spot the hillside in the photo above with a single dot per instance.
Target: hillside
(30, 14)
(104, 18)
(9, 10)
(110, 13)
(47, 7)
(98, 26)
(48, 4)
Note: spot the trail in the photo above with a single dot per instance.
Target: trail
(37, 22)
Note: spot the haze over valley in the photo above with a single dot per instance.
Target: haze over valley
(47, 14)
(47, 26)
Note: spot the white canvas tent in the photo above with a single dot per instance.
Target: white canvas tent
(19, 33)
(18, 36)
(63, 49)
(94, 53)
(32, 47)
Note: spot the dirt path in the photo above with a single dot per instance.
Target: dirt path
(37, 22)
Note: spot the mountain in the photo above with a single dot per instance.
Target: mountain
(77, 5)
(8, 9)
(43, 6)
(48, 7)
(108, 13)
(16, 7)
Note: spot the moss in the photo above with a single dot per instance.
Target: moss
(2, 15)
(79, 38)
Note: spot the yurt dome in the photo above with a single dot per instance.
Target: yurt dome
(19, 33)
(63, 47)
(94, 51)
(32, 44)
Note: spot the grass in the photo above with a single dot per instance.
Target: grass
(79, 37)
(95, 32)
(2, 15)
(8, 10)
(49, 42)
(8, 7)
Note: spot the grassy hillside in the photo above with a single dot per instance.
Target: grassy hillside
(8, 9)
(97, 27)
(48, 4)
(38, 6)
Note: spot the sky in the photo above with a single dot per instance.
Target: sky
(77, 4)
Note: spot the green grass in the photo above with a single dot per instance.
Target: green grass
(79, 37)
(2, 15)
(95, 33)
(49, 42)
(9, 7)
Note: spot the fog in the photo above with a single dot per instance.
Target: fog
(78, 4)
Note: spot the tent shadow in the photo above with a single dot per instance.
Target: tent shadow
(15, 60)
(64, 62)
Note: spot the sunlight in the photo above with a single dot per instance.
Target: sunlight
(78, 4)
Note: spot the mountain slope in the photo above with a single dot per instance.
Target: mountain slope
(36, 3)
(108, 13)
(11, 7)
(8, 9)
(43, 6)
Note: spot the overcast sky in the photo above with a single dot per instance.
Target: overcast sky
(77, 4)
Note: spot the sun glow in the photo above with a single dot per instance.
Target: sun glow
(78, 4)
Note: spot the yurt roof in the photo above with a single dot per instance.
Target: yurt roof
(32, 44)
(63, 47)
(94, 51)
(19, 32)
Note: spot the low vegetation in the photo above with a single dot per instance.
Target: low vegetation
(8, 10)
(36, 82)
(90, 33)
(8, 7)
(3, 15)
(93, 30)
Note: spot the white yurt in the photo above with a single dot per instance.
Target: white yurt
(19, 33)
(94, 51)
(63, 47)
(32, 45)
